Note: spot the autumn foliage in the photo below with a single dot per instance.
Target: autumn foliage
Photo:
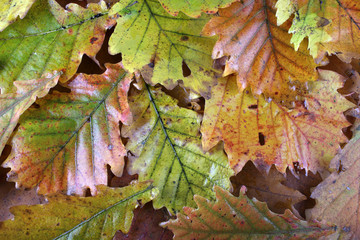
(232, 119)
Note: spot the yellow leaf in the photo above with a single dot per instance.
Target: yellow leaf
(11, 9)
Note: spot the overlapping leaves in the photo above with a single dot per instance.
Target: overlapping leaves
(69, 217)
(240, 218)
(166, 143)
(12, 105)
(268, 133)
(258, 51)
(66, 144)
(147, 35)
(332, 26)
(50, 38)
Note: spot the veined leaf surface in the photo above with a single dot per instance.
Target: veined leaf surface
(50, 38)
(166, 143)
(69, 217)
(146, 35)
(240, 218)
(259, 52)
(268, 133)
(194, 8)
(11, 9)
(12, 105)
(331, 26)
(66, 144)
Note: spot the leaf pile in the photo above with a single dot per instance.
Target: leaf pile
(205, 98)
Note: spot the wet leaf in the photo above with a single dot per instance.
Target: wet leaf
(12, 105)
(50, 38)
(67, 143)
(69, 217)
(268, 133)
(240, 218)
(337, 197)
(11, 9)
(171, 48)
(165, 146)
(259, 52)
(193, 8)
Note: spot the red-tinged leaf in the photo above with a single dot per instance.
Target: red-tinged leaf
(240, 218)
(67, 143)
(259, 52)
(268, 133)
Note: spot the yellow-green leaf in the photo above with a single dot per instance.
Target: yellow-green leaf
(69, 217)
(11, 9)
(193, 8)
(146, 35)
(67, 143)
(12, 105)
(166, 147)
(240, 218)
(50, 38)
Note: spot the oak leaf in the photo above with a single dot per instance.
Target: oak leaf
(12, 105)
(331, 26)
(259, 52)
(240, 218)
(267, 187)
(337, 197)
(171, 48)
(66, 144)
(268, 133)
(11, 9)
(165, 147)
(50, 38)
(69, 217)
(193, 8)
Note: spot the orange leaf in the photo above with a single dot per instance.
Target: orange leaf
(259, 51)
(67, 143)
(268, 133)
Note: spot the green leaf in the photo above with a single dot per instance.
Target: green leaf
(69, 217)
(240, 218)
(146, 35)
(11, 9)
(50, 38)
(12, 105)
(193, 8)
(67, 143)
(166, 146)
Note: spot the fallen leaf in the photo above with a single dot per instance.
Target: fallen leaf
(331, 26)
(240, 218)
(258, 51)
(193, 8)
(11, 9)
(267, 187)
(12, 105)
(171, 48)
(67, 143)
(66, 217)
(337, 197)
(165, 146)
(50, 38)
(267, 133)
